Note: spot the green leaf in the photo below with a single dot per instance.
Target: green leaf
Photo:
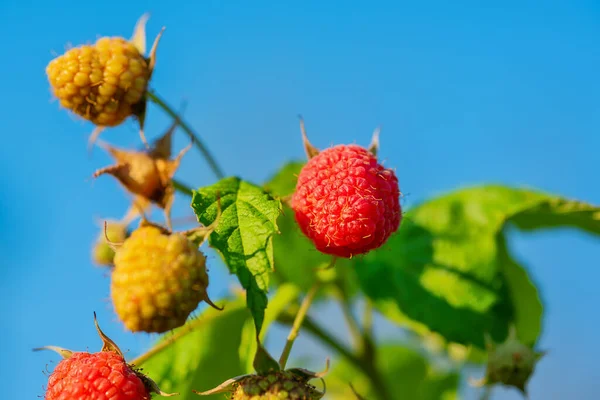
(243, 235)
(406, 374)
(201, 354)
(284, 296)
(283, 183)
(523, 294)
(445, 271)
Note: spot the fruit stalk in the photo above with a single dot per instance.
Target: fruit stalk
(362, 362)
(310, 296)
(206, 153)
(182, 188)
(355, 331)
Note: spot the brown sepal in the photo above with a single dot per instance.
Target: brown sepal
(146, 174)
(310, 150)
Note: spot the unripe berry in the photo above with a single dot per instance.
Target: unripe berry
(511, 363)
(158, 280)
(275, 386)
(103, 251)
(106, 82)
(102, 82)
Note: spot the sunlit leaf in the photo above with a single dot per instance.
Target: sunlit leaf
(243, 235)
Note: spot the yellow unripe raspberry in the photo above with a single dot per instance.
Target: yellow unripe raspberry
(106, 82)
(101, 83)
(158, 280)
(103, 252)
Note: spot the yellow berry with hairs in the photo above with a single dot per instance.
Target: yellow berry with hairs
(103, 83)
(159, 278)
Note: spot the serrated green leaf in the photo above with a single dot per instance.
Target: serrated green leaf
(243, 235)
(283, 183)
(406, 374)
(284, 296)
(201, 354)
(444, 270)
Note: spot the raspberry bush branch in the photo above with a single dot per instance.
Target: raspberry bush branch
(346, 306)
(297, 324)
(204, 150)
(362, 361)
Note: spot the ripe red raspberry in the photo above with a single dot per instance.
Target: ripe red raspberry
(98, 376)
(345, 201)
(104, 375)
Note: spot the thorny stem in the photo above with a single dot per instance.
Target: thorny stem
(212, 163)
(297, 324)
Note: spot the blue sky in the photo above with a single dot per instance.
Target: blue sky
(465, 93)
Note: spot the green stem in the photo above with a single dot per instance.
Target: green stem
(182, 187)
(487, 393)
(214, 166)
(312, 327)
(368, 318)
(355, 331)
(361, 363)
(297, 324)
(160, 346)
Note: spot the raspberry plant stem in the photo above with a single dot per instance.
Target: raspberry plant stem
(355, 331)
(362, 362)
(182, 187)
(212, 163)
(368, 318)
(163, 344)
(297, 324)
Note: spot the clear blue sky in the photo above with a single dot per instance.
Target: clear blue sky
(465, 94)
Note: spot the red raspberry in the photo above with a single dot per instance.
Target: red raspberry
(102, 376)
(346, 202)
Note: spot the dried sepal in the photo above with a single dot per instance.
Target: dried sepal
(139, 33)
(64, 353)
(308, 375)
(263, 362)
(224, 387)
(107, 343)
(310, 150)
(374, 146)
(146, 174)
